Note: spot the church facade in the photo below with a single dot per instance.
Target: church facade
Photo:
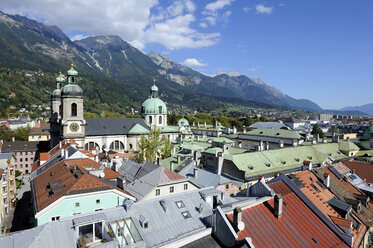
(102, 134)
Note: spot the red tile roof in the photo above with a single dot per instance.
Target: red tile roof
(70, 181)
(297, 227)
(363, 170)
(120, 155)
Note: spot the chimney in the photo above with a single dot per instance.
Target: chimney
(197, 137)
(337, 138)
(317, 138)
(171, 166)
(281, 144)
(60, 144)
(96, 158)
(173, 151)
(324, 141)
(220, 160)
(63, 153)
(121, 182)
(205, 124)
(326, 180)
(313, 142)
(276, 174)
(13, 139)
(178, 158)
(238, 225)
(195, 155)
(234, 130)
(240, 144)
(195, 172)
(244, 130)
(267, 145)
(278, 205)
(198, 124)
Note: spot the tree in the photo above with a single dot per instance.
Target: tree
(316, 130)
(152, 146)
(334, 129)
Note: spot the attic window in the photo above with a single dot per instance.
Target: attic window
(296, 159)
(180, 204)
(283, 162)
(268, 164)
(277, 133)
(315, 239)
(186, 215)
(146, 225)
(261, 132)
(309, 157)
(250, 167)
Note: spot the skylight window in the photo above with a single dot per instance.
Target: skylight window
(180, 204)
(186, 215)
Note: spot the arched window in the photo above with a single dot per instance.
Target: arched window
(160, 120)
(74, 109)
(117, 146)
(150, 119)
(131, 146)
(72, 79)
(91, 146)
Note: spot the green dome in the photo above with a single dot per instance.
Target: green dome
(60, 79)
(183, 123)
(154, 106)
(72, 71)
(154, 88)
(56, 93)
(72, 90)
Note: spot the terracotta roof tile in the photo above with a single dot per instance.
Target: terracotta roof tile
(363, 170)
(120, 155)
(110, 174)
(297, 227)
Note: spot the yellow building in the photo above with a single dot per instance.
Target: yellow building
(39, 133)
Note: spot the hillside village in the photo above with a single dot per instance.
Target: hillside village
(87, 182)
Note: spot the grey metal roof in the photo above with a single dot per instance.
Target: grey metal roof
(89, 218)
(20, 146)
(53, 234)
(129, 169)
(269, 125)
(207, 178)
(205, 242)
(336, 203)
(112, 126)
(7, 156)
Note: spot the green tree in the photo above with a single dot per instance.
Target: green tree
(317, 130)
(334, 129)
(152, 146)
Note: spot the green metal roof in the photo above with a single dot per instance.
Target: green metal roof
(213, 150)
(56, 93)
(138, 129)
(154, 88)
(168, 129)
(72, 71)
(347, 146)
(190, 146)
(72, 90)
(183, 122)
(60, 78)
(368, 134)
(154, 105)
(265, 162)
(222, 140)
(276, 133)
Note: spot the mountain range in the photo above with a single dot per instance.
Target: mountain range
(367, 108)
(114, 64)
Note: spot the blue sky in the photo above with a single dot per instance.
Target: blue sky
(319, 50)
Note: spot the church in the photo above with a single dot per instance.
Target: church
(103, 134)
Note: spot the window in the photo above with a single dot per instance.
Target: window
(55, 218)
(26, 153)
(157, 192)
(72, 79)
(185, 186)
(77, 204)
(150, 119)
(172, 189)
(180, 204)
(21, 160)
(26, 159)
(26, 165)
(117, 146)
(91, 145)
(130, 146)
(74, 109)
(97, 201)
(160, 120)
(146, 225)
(98, 209)
(21, 166)
(227, 186)
(186, 215)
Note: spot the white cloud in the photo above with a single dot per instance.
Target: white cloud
(255, 68)
(138, 22)
(212, 9)
(261, 9)
(217, 5)
(203, 25)
(192, 62)
(246, 9)
(78, 37)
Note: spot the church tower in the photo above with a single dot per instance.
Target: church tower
(56, 107)
(154, 110)
(72, 120)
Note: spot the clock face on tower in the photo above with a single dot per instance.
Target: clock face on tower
(74, 127)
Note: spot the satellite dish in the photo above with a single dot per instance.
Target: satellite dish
(102, 175)
(241, 226)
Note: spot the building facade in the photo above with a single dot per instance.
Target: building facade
(24, 153)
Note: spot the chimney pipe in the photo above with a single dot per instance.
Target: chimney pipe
(326, 180)
(267, 145)
(281, 144)
(237, 219)
(278, 205)
(220, 160)
(195, 172)
(178, 158)
(171, 166)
